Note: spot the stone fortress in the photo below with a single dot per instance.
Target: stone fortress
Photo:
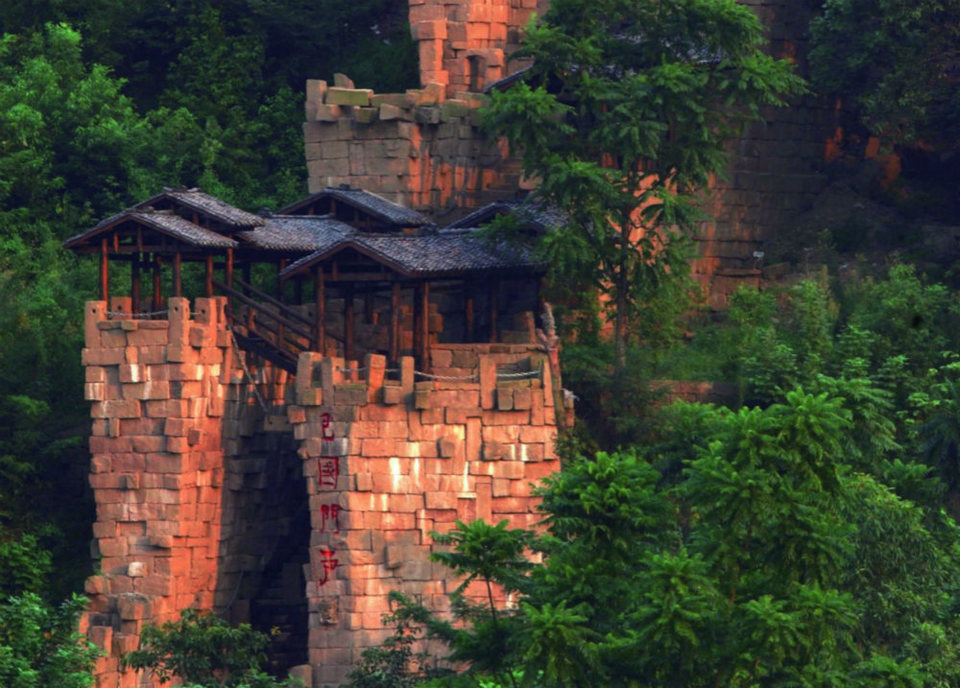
(282, 458)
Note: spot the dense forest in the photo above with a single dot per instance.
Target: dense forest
(802, 534)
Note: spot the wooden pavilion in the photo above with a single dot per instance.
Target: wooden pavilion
(352, 273)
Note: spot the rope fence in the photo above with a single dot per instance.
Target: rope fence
(125, 314)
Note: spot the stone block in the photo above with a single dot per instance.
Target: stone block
(366, 115)
(392, 394)
(341, 80)
(133, 607)
(349, 96)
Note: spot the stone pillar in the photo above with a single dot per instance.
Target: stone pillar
(156, 471)
(388, 461)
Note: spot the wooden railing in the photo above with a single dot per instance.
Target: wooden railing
(268, 327)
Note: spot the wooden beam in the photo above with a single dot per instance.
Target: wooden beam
(320, 332)
(104, 272)
(395, 324)
(229, 268)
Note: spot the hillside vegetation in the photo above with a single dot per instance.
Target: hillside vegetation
(802, 534)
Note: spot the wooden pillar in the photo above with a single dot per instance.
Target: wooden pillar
(229, 268)
(319, 328)
(209, 277)
(395, 324)
(135, 283)
(468, 313)
(245, 270)
(104, 272)
(348, 324)
(421, 317)
(492, 297)
(177, 280)
(157, 290)
(368, 305)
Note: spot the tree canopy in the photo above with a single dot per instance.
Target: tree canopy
(621, 119)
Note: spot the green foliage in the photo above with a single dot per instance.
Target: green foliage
(204, 651)
(24, 565)
(40, 646)
(894, 61)
(618, 120)
(396, 664)
(741, 549)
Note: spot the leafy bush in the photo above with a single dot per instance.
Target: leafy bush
(40, 646)
(203, 650)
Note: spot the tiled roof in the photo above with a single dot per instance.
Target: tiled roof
(166, 223)
(449, 252)
(533, 212)
(295, 233)
(377, 206)
(207, 205)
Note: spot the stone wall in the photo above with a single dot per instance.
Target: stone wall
(156, 469)
(419, 148)
(390, 459)
(293, 503)
(775, 169)
(463, 44)
(423, 148)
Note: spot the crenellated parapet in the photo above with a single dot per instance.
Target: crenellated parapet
(292, 502)
(157, 400)
(419, 148)
(392, 456)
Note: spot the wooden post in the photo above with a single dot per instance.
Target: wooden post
(104, 272)
(229, 268)
(468, 313)
(348, 324)
(209, 277)
(368, 305)
(319, 328)
(421, 333)
(492, 297)
(157, 295)
(135, 283)
(177, 281)
(395, 324)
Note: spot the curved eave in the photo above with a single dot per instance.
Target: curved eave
(304, 265)
(82, 243)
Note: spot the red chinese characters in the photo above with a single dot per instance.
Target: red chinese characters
(330, 514)
(327, 564)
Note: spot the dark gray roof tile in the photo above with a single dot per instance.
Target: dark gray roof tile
(295, 233)
(205, 204)
(386, 211)
(166, 223)
(531, 211)
(451, 253)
